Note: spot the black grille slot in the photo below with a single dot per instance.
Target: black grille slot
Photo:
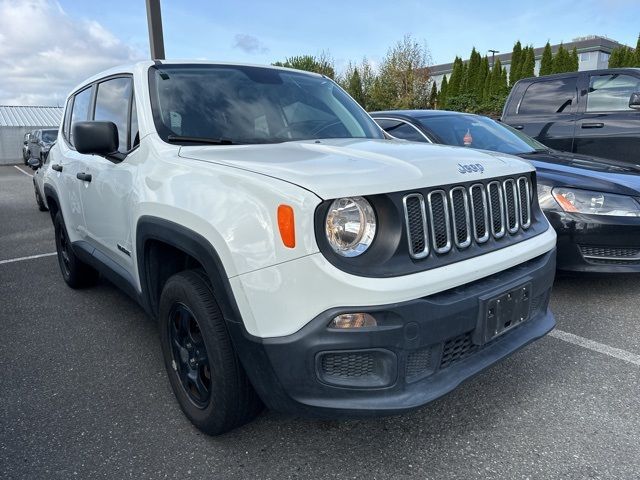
(479, 212)
(460, 216)
(610, 253)
(418, 363)
(496, 209)
(439, 216)
(348, 365)
(525, 202)
(457, 349)
(511, 208)
(415, 217)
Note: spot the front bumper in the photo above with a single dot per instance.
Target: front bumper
(421, 350)
(596, 243)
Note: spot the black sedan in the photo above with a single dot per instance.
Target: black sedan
(593, 203)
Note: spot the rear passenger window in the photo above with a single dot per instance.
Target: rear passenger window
(80, 112)
(552, 96)
(610, 93)
(112, 105)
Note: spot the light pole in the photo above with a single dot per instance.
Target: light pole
(156, 39)
(493, 56)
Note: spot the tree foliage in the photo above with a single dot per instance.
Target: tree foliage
(625, 56)
(322, 64)
(546, 63)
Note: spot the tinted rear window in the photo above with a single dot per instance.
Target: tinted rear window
(551, 96)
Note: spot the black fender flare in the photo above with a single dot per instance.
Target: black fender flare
(176, 235)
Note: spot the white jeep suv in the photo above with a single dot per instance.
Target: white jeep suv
(294, 255)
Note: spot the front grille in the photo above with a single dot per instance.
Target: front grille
(439, 221)
(479, 212)
(416, 221)
(348, 365)
(459, 216)
(511, 209)
(456, 349)
(610, 253)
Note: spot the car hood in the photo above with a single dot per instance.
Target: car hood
(587, 172)
(343, 167)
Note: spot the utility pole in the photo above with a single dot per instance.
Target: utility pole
(154, 20)
(493, 56)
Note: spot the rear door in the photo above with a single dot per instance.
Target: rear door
(547, 112)
(606, 126)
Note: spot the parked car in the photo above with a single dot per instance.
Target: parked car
(594, 112)
(40, 142)
(38, 181)
(25, 147)
(592, 203)
(292, 253)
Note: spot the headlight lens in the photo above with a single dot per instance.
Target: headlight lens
(350, 226)
(595, 203)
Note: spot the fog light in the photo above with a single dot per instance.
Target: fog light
(353, 320)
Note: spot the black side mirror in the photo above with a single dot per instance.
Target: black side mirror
(634, 100)
(34, 163)
(99, 138)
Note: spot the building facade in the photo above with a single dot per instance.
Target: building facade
(15, 121)
(593, 53)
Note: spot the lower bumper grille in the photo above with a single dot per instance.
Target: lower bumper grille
(614, 254)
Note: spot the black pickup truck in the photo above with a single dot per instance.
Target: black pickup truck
(593, 112)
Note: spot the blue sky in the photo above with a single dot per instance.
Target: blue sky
(353, 29)
(66, 40)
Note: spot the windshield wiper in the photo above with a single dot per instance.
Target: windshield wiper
(209, 141)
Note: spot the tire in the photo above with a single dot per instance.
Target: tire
(41, 206)
(205, 373)
(75, 272)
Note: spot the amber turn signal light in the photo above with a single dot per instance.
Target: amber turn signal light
(287, 225)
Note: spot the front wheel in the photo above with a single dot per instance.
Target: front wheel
(205, 373)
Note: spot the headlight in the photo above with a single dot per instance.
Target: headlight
(350, 226)
(594, 203)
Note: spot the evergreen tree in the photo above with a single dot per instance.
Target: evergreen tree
(528, 63)
(473, 73)
(433, 97)
(575, 62)
(515, 63)
(354, 87)
(442, 96)
(636, 60)
(481, 88)
(629, 57)
(561, 60)
(615, 57)
(546, 64)
(457, 73)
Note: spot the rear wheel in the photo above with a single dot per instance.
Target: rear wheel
(39, 201)
(75, 272)
(205, 373)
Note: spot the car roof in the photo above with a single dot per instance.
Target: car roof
(142, 66)
(419, 113)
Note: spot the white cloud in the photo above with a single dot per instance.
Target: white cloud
(45, 52)
(249, 44)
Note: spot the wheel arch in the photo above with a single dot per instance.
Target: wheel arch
(53, 203)
(157, 237)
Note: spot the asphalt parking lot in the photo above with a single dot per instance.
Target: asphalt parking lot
(83, 392)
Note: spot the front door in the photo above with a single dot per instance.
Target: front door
(606, 126)
(107, 197)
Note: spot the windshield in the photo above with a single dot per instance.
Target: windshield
(240, 104)
(480, 132)
(49, 136)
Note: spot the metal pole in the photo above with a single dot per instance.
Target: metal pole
(493, 56)
(154, 20)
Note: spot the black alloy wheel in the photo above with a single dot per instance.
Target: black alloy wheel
(190, 359)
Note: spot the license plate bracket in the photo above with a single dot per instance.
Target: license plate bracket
(502, 312)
